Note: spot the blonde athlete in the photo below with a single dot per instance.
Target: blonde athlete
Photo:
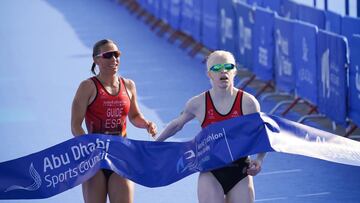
(233, 183)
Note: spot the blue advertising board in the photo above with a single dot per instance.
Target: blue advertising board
(186, 15)
(164, 10)
(255, 2)
(332, 63)
(228, 31)
(289, 9)
(312, 15)
(350, 26)
(332, 22)
(263, 44)
(245, 21)
(354, 79)
(305, 53)
(284, 54)
(175, 13)
(196, 31)
(210, 24)
(274, 5)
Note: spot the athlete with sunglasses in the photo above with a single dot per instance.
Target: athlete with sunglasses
(105, 101)
(233, 183)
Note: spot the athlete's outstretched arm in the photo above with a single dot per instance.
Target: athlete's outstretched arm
(135, 115)
(178, 123)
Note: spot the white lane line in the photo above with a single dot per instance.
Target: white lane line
(313, 194)
(281, 172)
(270, 199)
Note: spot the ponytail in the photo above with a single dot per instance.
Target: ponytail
(93, 68)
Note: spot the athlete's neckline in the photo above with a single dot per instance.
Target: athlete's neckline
(117, 93)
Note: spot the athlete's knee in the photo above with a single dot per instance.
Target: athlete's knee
(219, 198)
(94, 189)
(120, 189)
(210, 194)
(243, 191)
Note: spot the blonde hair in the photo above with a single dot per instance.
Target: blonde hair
(218, 57)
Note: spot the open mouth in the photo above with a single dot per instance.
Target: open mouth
(222, 78)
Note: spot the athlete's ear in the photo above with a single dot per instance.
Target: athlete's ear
(96, 60)
(209, 74)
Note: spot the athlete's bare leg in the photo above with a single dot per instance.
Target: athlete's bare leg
(242, 192)
(120, 190)
(209, 189)
(94, 189)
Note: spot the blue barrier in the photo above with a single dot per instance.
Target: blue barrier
(312, 15)
(228, 31)
(255, 2)
(354, 79)
(142, 3)
(174, 12)
(274, 5)
(245, 20)
(289, 9)
(154, 6)
(196, 31)
(350, 26)
(210, 24)
(148, 5)
(164, 12)
(332, 60)
(196, 23)
(333, 22)
(284, 54)
(305, 55)
(263, 44)
(187, 13)
(157, 8)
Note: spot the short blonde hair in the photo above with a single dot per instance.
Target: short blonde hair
(218, 57)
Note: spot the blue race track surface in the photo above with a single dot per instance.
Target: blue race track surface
(46, 52)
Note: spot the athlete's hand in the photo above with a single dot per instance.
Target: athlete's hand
(151, 128)
(254, 167)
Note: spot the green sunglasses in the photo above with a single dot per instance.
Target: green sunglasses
(219, 67)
